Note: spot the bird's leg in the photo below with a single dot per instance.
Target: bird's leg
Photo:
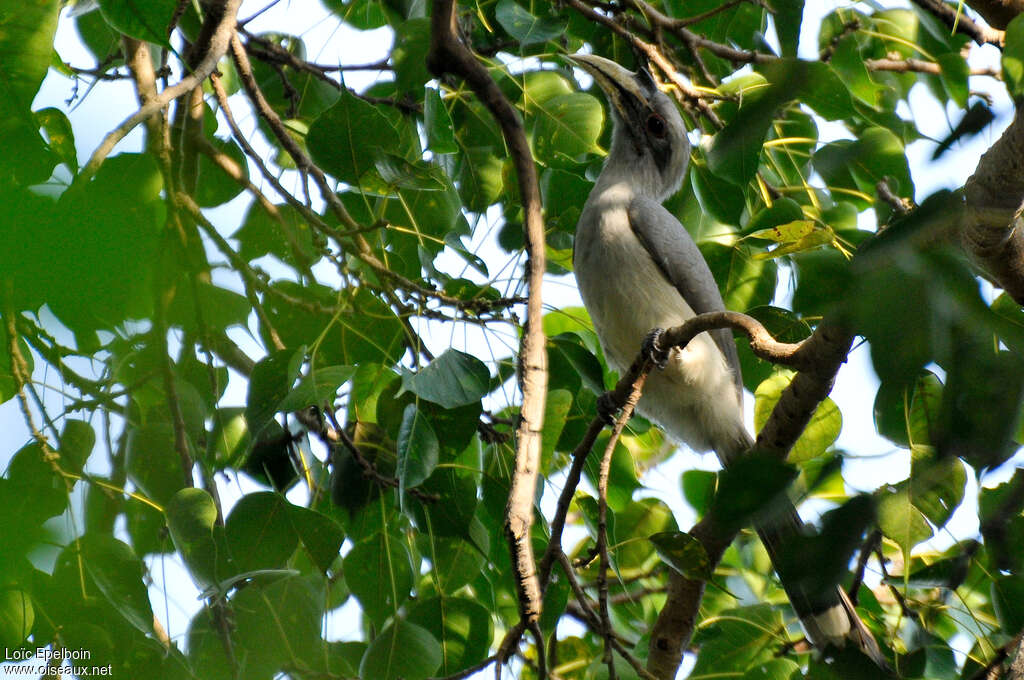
(607, 408)
(653, 349)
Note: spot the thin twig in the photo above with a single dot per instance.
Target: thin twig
(866, 550)
(602, 514)
(223, 14)
(922, 66)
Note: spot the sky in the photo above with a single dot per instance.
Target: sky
(874, 460)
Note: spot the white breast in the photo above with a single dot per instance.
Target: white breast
(694, 398)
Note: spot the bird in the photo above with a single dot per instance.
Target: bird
(638, 270)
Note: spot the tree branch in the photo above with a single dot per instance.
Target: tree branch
(448, 54)
(961, 23)
(993, 228)
(998, 13)
(818, 359)
(604, 562)
(921, 66)
(221, 15)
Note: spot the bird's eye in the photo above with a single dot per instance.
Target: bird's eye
(656, 125)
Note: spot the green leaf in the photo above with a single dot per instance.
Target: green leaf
(418, 450)
(271, 381)
(1008, 601)
(191, 514)
(699, 488)
(319, 387)
(215, 186)
(456, 562)
(259, 532)
(723, 200)
(153, 463)
(849, 65)
(438, 123)
(900, 520)
(16, 617)
(815, 562)
(453, 513)
(320, 535)
(748, 486)
(463, 627)
(287, 237)
(684, 553)
(735, 152)
(1013, 57)
(77, 440)
(954, 72)
(60, 135)
(981, 404)
(379, 572)
(566, 126)
(909, 415)
(79, 261)
(409, 54)
(622, 481)
(26, 43)
(363, 15)
(556, 409)
(859, 165)
(563, 194)
(788, 18)
(347, 139)
(452, 379)
(117, 572)
(525, 27)
(785, 233)
(937, 485)
(402, 651)
(644, 517)
(34, 493)
(821, 432)
(278, 625)
(143, 19)
(218, 308)
(737, 639)
(745, 280)
(776, 669)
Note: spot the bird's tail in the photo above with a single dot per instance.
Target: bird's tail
(826, 614)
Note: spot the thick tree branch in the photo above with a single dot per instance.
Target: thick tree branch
(448, 54)
(818, 358)
(993, 229)
(998, 13)
(961, 23)
(221, 16)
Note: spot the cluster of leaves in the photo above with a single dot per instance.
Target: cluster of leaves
(406, 520)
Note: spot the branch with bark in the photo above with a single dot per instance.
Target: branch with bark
(994, 198)
(448, 54)
(219, 27)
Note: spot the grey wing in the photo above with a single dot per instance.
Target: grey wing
(679, 259)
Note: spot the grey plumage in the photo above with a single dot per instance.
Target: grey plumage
(638, 268)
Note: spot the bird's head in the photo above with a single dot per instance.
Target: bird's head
(649, 147)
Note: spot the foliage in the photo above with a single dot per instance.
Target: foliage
(283, 341)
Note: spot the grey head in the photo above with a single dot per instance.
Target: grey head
(649, 148)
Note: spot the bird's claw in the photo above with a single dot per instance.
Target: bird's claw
(653, 349)
(607, 408)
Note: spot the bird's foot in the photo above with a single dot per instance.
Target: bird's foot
(607, 408)
(653, 349)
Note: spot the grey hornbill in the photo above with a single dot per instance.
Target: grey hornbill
(638, 269)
